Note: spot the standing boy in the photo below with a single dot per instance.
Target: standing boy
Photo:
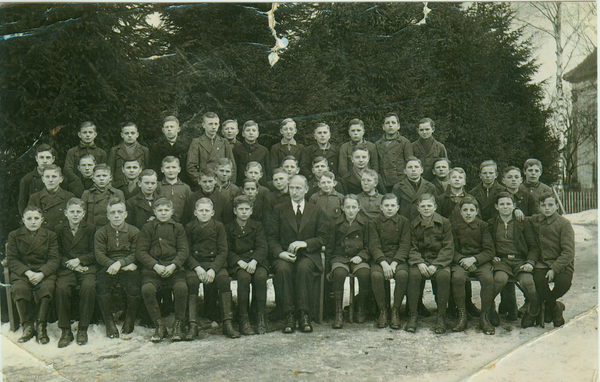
(230, 130)
(322, 148)
(32, 182)
(87, 134)
(532, 184)
(52, 200)
(129, 184)
(441, 170)
(139, 207)
(393, 150)
(172, 188)
(250, 150)
(356, 131)
(221, 205)
(351, 181)
(426, 148)
(224, 185)
(410, 189)
(288, 146)
(369, 199)
(169, 144)
(97, 197)
(328, 198)
(487, 191)
(128, 149)
(280, 192)
(85, 181)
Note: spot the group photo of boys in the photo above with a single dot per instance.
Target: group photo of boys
(221, 230)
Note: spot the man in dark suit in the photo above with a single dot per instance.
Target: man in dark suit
(298, 231)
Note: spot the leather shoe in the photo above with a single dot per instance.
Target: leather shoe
(493, 316)
(557, 313)
(289, 323)
(82, 336)
(28, 333)
(527, 320)
(305, 324)
(66, 337)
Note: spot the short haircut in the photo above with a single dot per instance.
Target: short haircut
(322, 124)
(148, 172)
(248, 180)
(204, 201)
(254, 164)
(508, 169)
(130, 124)
(290, 157)
(76, 202)
(545, 195)
(130, 159)
(487, 163)
(209, 115)
(356, 121)
(248, 124)
(45, 147)
(301, 177)
(171, 118)
(532, 162)
(286, 121)
(171, 159)
(228, 121)
(389, 196)
(468, 200)
(242, 199)
(329, 174)
(87, 124)
(319, 159)
(372, 173)
(350, 197)
(32, 208)
(388, 115)
(427, 120)
(505, 194)
(459, 170)
(52, 167)
(224, 162)
(113, 201)
(88, 156)
(413, 159)
(361, 146)
(279, 170)
(207, 172)
(442, 159)
(426, 196)
(163, 202)
(102, 167)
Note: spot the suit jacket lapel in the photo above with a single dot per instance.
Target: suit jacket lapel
(307, 215)
(290, 216)
(38, 240)
(78, 235)
(408, 189)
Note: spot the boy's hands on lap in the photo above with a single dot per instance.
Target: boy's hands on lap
(34, 277)
(243, 265)
(496, 259)
(468, 263)
(432, 270)
(251, 266)
(356, 260)
(114, 268)
(81, 269)
(209, 276)
(73, 263)
(550, 275)
(287, 256)
(387, 270)
(296, 245)
(130, 267)
(200, 272)
(424, 269)
(169, 269)
(527, 267)
(160, 269)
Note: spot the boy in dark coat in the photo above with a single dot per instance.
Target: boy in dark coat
(410, 189)
(351, 181)
(128, 149)
(288, 146)
(533, 170)
(171, 143)
(129, 184)
(250, 150)
(52, 200)
(356, 131)
(427, 148)
(85, 180)
(487, 191)
(96, 198)
(139, 206)
(32, 181)
(393, 150)
(322, 148)
(87, 134)
(172, 188)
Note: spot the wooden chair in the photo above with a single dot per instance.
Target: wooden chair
(7, 287)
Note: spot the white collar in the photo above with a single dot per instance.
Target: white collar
(300, 205)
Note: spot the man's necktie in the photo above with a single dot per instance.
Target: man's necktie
(298, 216)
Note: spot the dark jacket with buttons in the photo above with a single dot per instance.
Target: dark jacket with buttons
(487, 199)
(208, 244)
(408, 198)
(118, 156)
(80, 246)
(96, 202)
(389, 239)
(556, 242)
(37, 255)
(431, 244)
(162, 243)
(332, 154)
(245, 153)
(473, 240)
(139, 210)
(527, 248)
(393, 154)
(52, 206)
(247, 244)
(351, 240)
(177, 193)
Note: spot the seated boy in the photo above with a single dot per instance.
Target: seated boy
(207, 264)
(393, 150)
(556, 262)
(427, 148)
(221, 205)
(224, 185)
(129, 184)
(533, 171)
(114, 248)
(351, 181)
(77, 267)
(356, 131)
(410, 189)
(32, 181)
(369, 199)
(128, 149)
(162, 249)
(85, 180)
(96, 198)
(52, 200)
(139, 207)
(473, 252)
(330, 200)
(32, 256)
(516, 255)
(250, 150)
(350, 253)
(172, 188)
(287, 147)
(441, 170)
(319, 167)
(487, 191)
(171, 143)
(280, 187)
(87, 134)
(322, 148)
(432, 250)
(248, 263)
(389, 244)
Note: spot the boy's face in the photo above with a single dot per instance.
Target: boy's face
(33, 220)
(427, 208)
(425, 130)
(163, 213)
(441, 169)
(204, 212)
(280, 181)
(288, 130)
(75, 214)
(251, 133)
(368, 183)
(360, 159)
(469, 212)
(116, 215)
(548, 207)
(512, 179)
(131, 170)
(129, 134)
(102, 178)
(224, 173)
(86, 167)
(207, 183)
(211, 126)
(253, 173)
(87, 134)
(488, 175)
(457, 180)
(389, 207)
(390, 125)
(298, 189)
(230, 131)
(505, 206)
(290, 167)
(44, 158)
(171, 130)
(250, 189)
(327, 184)
(413, 170)
(322, 135)
(533, 173)
(148, 184)
(351, 208)
(319, 168)
(171, 170)
(243, 211)
(356, 133)
(52, 179)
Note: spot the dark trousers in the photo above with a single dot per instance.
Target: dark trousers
(379, 284)
(153, 282)
(442, 279)
(24, 291)
(295, 277)
(65, 285)
(525, 280)
(339, 277)
(562, 284)
(486, 279)
(130, 281)
(259, 289)
(219, 285)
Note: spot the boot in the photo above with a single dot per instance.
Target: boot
(290, 323)
(133, 303)
(305, 325)
(382, 319)
(549, 314)
(42, 334)
(338, 321)
(557, 314)
(160, 332)
(192, 332)
(23, 309)
(228, 328)
(28, 332)
(262, 323)
(395, 318)
(440, 326)
(109, 321)
(66, 337)
(493, 316)
(485, 325)
(533, 310)
(461, 325)
(472, 309)
(82, 337)
(411, 325)
(361, 315)
(178, 334)
(245, 327)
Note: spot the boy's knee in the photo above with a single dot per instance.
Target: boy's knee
(260, 275)
(148, 290)
(180, 289)
(500, 278)
(401, 276)
(243, 277)
(376, 277)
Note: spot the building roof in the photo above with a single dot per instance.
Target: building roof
(586, 70)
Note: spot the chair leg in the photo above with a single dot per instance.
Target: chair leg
(9, 301)
(322, 291)
(351, 300)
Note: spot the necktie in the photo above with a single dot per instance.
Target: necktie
(298, 216)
